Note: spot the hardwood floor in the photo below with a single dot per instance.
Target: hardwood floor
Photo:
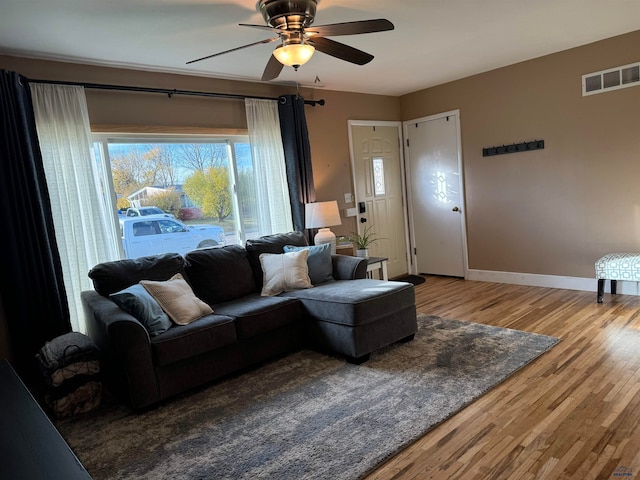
(572, 413)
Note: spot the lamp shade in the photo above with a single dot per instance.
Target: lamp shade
(322, 214)
(294, 55)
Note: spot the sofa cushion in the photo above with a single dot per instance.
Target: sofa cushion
(319, 261)
(111, 277)
(220, 274)
(284, 271)
(136, 301)
(355, 302)
(185, 341)
(270, 244)
(255, 314)
(177, 299)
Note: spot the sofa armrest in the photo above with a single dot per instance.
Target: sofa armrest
(125, 347)
(346, 267)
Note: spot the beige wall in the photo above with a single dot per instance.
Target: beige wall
(553, 211)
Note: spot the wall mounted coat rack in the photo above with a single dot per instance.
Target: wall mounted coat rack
(513, 148)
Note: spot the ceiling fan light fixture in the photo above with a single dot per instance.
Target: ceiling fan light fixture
(294, 55)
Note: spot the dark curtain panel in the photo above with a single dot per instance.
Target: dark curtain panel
(32, 287)
(297, 155)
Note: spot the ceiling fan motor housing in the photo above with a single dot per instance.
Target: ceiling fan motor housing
(288, 14)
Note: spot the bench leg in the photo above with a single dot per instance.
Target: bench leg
(408, 338)
(358, 360)
(614, 287)
(600, 289)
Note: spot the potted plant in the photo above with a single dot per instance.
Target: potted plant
(361, 241)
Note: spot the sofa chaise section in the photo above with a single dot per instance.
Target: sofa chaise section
(354, 318)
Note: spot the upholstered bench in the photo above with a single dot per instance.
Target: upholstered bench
(614, 267)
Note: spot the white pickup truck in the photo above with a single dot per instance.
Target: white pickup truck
(153, 234)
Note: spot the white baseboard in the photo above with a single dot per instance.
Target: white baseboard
(551, 281)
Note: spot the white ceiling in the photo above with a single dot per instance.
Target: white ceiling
(434, 41)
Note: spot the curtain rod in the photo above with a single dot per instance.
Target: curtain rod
(170, 93)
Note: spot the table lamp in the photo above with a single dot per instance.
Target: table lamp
(323, 215)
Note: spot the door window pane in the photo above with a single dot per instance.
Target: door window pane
(378, 177)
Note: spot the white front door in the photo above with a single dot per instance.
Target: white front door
(435, 184)
(378, 181)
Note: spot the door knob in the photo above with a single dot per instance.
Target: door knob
(455, 209)
(363, 220)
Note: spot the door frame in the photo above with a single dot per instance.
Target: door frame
(405, 203)
(463, 199)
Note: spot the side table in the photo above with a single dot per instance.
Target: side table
(345, 250)
(379, 264)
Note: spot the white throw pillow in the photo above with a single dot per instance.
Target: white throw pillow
(284, 272)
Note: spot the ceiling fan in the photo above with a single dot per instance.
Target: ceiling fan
(291, 20)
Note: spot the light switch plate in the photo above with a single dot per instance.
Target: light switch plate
(348, 198)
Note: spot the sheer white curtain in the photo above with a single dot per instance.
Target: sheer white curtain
(85, 224)
(272, 192)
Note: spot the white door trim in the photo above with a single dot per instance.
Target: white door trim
(405, 125)
(405, 220)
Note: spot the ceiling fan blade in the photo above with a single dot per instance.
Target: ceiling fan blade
(350, 28)
(252, 25)
(272, 70)
(340, 50)
(267, 40)
(262, 27)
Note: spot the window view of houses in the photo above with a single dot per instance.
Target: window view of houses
(175, 196)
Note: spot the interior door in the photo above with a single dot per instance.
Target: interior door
(435, 184)
(378, 181)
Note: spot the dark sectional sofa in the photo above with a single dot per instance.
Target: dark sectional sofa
(348, 315)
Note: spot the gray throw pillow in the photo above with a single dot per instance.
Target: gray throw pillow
(136, 301)
(319, 262)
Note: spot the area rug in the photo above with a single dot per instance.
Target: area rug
(307, 415)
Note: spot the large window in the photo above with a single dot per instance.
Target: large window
(175, 194)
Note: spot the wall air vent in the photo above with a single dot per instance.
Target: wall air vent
(611, 79)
